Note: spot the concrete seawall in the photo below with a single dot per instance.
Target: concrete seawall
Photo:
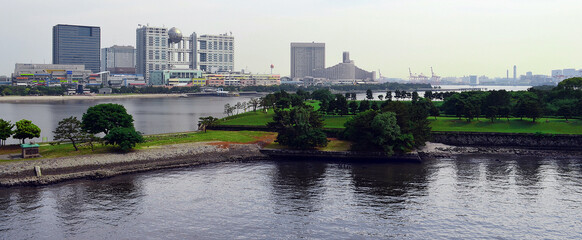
(111, 164)
(519, 140)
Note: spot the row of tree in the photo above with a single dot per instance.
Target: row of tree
(25, 129)
(564, 100)
(110, 119)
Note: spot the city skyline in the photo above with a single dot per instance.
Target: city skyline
(456, 38)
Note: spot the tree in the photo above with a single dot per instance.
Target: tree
(125, 137)
(205, 122)
(428, 95)
(566, 111)
(364, 106)
(371, 130)
(369, 95)
(300, 128)
(415, 97)
(353, 105)
(104, 117)
(381, 97)
(227, 109)
(5, 131)
(341, 104)
(70, 129)
(388, 96)
(26, 129)
(254, 102)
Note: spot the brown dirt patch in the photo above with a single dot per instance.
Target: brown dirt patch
(261, 141)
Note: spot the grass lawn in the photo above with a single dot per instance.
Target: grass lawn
(515, 125)
(67, 150)
(261, 119)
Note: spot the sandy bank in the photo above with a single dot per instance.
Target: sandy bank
(81, 97)
(110, 164)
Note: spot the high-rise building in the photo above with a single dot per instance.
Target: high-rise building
(77, 45)
(151, 50)
(514, 73)
(306, 57)
(216, 53)
(118, 59)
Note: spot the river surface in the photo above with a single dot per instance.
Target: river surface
(150, 115)
(484, 197)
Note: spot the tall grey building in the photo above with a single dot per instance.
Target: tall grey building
(152, 49)
(216, 52)
(118, 59)
(74, 44)
(306, 57)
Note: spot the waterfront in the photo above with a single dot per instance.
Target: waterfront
(151, 115)
(494, 196)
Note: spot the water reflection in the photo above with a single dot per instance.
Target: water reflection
(297, 186)
(81, 206)
(385, 189)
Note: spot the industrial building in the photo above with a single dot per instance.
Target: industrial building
(118, 59)
(77, 45)
(305, 58)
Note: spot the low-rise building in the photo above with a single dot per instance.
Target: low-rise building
(126, 80)
(176, 78)
(49, 74)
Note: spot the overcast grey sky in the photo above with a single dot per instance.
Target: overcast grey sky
(456, 37)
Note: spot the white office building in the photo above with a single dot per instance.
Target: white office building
(216, 53)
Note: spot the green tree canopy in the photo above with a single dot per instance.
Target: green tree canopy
(125, 137)
(205, 122)
(70, 129)
(299, 128)
(26, 129)
(5, 131)
(371, 130)
(104, 117)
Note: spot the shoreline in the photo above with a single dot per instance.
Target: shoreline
(11, 99)
(96, 166)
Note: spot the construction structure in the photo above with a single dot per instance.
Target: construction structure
(421, 78)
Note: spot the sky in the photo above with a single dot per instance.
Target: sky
(455, 37)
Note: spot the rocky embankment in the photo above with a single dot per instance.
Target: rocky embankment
(111, 164)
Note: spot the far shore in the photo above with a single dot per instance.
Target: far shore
(83, 97)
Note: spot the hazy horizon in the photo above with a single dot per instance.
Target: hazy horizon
(455, 37)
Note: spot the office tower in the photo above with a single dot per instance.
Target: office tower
(118, 59)
(151, 49)
(514, 72)
(77, 45)
(216, 52)
(306, 57)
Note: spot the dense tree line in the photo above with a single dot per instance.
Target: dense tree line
(389, 126)
(564, 100)
(343, 88)
(32, 91)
